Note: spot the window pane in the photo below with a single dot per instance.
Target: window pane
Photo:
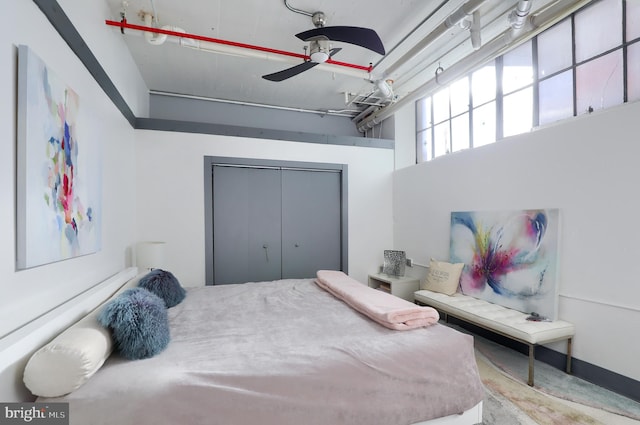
(441, 105)
(459, 96)
(518, 112)
(599, 83)
(483, 84)
(556, 97)
(554, 49)
(633, 20)
(633, 71)
(598, 28)
(423, 113)
(460, 133)
(423, 148)
(441, 139)
(518, 69)
(484, 125)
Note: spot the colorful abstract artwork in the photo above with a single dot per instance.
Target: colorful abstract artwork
(510, 257)
(58, 181)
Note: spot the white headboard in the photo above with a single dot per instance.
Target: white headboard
(18, 346)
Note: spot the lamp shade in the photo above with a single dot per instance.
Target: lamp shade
(150, 255)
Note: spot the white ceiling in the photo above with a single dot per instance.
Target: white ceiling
(269, 23)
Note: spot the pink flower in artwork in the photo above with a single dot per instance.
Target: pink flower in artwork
(62, 151)
(503, 256)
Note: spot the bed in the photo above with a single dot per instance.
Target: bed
(284, 352)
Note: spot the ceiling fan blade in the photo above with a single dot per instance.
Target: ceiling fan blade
(290, 72)
(295, 70)
(364, 37)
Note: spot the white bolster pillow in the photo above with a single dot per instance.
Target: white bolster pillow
(68, 361)
(71, 358)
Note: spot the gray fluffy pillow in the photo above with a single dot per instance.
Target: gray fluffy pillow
(138, 322)
(165, 285)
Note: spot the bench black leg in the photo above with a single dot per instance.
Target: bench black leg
(532, 357)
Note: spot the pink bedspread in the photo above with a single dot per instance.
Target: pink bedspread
(386, 309)
(282, 353)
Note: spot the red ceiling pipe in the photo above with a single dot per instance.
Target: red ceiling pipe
(125, 24)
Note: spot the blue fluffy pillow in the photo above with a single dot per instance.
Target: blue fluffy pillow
(138, 323)
(165, 285)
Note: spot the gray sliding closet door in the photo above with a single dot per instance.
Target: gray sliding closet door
(310, 222)
(275, 222)
(246, 224)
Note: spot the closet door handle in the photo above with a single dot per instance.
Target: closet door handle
(266, 251)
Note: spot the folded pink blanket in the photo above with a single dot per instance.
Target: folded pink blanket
(386, 309)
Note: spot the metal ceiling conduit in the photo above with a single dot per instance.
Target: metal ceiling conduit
(518, 16)
(333, 112)
(463, 12)
(524, 29)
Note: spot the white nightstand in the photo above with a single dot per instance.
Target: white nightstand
(402, 287)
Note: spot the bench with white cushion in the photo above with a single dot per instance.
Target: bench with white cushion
(501, 320)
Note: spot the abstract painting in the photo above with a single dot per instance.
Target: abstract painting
(510, 257)
(58, 173)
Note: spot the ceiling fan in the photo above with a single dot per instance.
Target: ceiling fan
(319, 38)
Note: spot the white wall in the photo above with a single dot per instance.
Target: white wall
(30, 293)
(588, 168)
(107, 44)
(170, 187)
(405, 126)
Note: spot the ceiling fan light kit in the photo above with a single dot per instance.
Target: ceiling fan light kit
(295, 70)
(319, 51)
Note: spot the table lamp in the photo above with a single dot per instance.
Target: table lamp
(150, 255)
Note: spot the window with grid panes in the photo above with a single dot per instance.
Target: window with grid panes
(586, 62)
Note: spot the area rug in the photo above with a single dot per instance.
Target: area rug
(556, 399)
